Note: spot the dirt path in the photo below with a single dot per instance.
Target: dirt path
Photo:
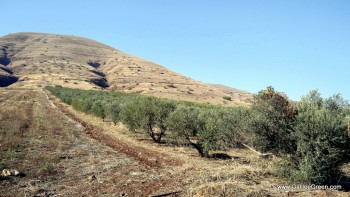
(63, 155)
(145, 156)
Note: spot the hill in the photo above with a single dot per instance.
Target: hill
(36, 59)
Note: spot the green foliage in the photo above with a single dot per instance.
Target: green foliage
(145, 116)
(186, 123)
(113, 112)
(234, 122)
(272, 122)
(2, 166)
(227, 98)
(98, 109)
(149, 115)
(138, 113)
(131, 115)
(163, 109)
(206, 129)
(81, 105)
(322, 141)
(212, 136)
(312, 136)
(347, 119)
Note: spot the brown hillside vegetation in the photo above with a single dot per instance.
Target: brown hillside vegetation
(70, 61)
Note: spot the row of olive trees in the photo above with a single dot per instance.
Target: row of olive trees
(310, 135)
(204, 127)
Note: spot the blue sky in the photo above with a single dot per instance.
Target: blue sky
(294, 46)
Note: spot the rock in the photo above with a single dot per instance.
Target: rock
(16, 172)
(92, 178)
(11, 172)
(5, 172)
(136, 173)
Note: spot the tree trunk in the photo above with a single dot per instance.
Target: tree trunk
(150, 132)
(199, 148)
(155, 137)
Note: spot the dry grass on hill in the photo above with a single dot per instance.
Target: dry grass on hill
(49, 59)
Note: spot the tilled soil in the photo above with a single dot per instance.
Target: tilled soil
(148, 157)
(63, 155)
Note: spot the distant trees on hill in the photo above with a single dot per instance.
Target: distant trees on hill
(311, 136)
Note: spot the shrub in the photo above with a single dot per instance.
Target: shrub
(113, 112)
(185, 123)
(81, 105)
(234, 122)
(213, 135)
(227, 98)
(203, 129)
(347, 119)
(163, 109)
(149, 115)
(322, 141)
(272, 122)
(98, 109)
(130, 115)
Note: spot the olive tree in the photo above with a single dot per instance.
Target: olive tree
(185, 123)
(272, 122)
(321, 139)
(81, 104)
(98, 109)
(113, 111)
(131, 114)
(213, 135)
(202, 128)
(148, 115)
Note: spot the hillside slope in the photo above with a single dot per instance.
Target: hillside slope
(35, 59)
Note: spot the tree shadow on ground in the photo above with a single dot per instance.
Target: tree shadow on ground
(222, 156)
(344, 181)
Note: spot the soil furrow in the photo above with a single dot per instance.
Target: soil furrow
(148, 157)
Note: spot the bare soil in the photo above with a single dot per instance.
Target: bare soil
(61, 152)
